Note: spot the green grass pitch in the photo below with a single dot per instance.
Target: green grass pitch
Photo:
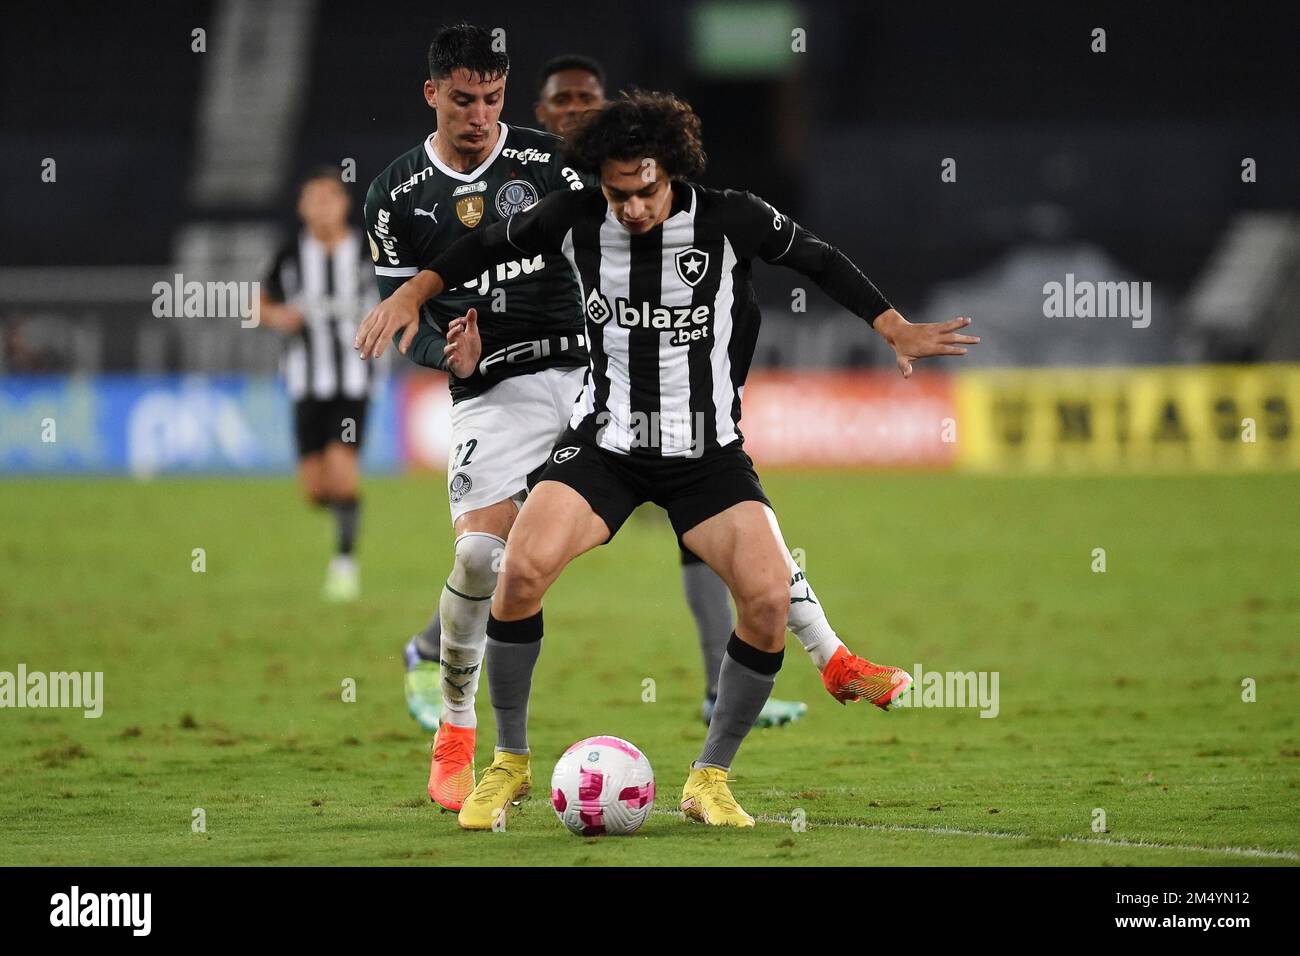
(1119, 691)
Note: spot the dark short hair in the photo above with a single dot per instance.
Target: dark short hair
(322, 172)
(640, 124)
(571, 61)
(465, 46)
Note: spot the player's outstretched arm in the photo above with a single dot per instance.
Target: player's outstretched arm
(761, 230)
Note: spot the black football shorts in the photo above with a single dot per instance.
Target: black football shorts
(318, 423)
(691, 490)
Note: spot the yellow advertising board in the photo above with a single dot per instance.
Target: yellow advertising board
(1153, 418)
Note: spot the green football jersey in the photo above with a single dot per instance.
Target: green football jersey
(529, 310)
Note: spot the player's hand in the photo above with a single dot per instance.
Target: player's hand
(400, 311)
(464, 347)
(291, 319)
(911, 342)
(281, 317)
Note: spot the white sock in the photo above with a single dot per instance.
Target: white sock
(808, 621)
(463, 609)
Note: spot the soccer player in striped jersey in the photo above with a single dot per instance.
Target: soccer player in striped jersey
(664, 267)
(510, 403)
(571, 86)
(318, 287)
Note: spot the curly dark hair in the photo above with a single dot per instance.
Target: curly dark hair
(637, 125)
(465, 46)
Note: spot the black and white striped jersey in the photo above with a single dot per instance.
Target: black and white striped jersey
(335, 289)
(671, 316)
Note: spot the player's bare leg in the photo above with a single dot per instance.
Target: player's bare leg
(311, 478)
(710, 604)
(463, 611)
(555, 525)
(339, 481)
(744, 546)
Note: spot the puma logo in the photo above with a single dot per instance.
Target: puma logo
(450, 670)
(425, 212)
(807, 597)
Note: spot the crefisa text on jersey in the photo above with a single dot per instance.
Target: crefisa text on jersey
(526, 156)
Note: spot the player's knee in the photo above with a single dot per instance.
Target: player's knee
(342, 487)
(525, 575)
(478, 559)
(766, 609)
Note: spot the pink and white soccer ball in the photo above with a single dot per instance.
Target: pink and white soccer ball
(603, 785)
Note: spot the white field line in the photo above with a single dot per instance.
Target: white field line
(1002, 835)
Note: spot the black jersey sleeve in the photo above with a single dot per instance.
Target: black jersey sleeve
(538, 229)
(273, 281)
(758, 230)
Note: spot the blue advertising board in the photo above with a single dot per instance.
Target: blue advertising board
(166, 424)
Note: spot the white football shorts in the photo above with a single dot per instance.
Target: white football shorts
(499, 437)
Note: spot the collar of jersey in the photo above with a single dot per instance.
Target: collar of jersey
(473, 174)
(683, 202)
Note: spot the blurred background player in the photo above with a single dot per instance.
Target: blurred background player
(318, 287)
(571, 85)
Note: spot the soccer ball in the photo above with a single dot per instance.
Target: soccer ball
(602, 785)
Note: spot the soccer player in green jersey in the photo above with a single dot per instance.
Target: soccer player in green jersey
(509, 404)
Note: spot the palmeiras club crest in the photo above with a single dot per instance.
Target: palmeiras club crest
(515, 196)
(460, 486)
(691, 265)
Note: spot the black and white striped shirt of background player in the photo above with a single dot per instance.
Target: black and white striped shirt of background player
(334, 290)
(691, 273)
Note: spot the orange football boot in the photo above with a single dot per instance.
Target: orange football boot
(848, 677)
(451, 773)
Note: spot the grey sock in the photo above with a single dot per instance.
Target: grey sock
(429, 641)
(509, 669)
(346, 512)
(744, 685)
(710, 604)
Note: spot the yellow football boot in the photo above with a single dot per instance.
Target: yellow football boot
(508, 779)
(706, 798)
